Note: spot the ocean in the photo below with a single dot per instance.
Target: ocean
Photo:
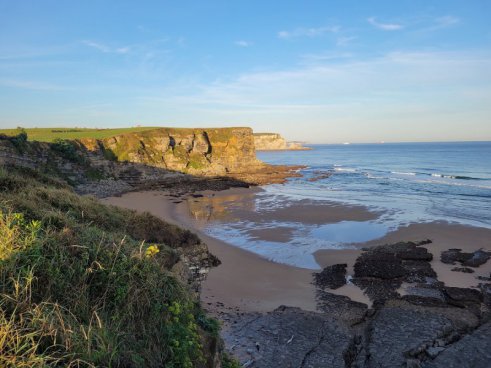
(404, 182)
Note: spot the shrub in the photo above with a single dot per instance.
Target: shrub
(66, 149)
(19, 141)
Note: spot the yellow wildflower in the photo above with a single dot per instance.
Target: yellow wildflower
(151, 251)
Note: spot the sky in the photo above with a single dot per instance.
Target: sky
(316, 71)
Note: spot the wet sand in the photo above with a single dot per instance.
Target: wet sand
(249, 283)
(243, 280)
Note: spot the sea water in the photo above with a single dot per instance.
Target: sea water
(405, 182)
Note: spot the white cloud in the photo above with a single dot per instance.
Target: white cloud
(31, 85)
(385, 26)
(351, 99)
(345, 40)
(243, 43)
(308, 32)
(447, 21)
(106, 49)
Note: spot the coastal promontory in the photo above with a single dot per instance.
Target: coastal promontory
(275, 142)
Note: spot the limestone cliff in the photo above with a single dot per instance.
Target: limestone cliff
(163, 158)
(207, 152)
(275, 142)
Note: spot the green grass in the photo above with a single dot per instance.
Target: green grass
(51, 134)
(83, 284)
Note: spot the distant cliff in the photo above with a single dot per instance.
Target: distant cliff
(275, 142)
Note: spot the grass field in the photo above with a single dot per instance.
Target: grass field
(50, 134)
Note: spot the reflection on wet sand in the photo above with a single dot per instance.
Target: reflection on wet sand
(212, 207)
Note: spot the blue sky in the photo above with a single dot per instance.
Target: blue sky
(319, 71)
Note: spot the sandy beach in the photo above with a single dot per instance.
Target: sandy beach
(243, 280)
(248, 282)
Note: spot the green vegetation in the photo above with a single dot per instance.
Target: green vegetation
(66, 149)
(51, 134)
(88, 285)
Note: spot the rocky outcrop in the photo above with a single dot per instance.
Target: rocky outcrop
(195, 159)
(431, 325)
(209, 152)
(275, 142)
(476, 259)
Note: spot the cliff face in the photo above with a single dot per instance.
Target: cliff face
(195, 151)
(274, 142)
(163, 158)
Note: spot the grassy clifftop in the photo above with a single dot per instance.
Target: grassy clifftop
(88, 285)
(52, 134)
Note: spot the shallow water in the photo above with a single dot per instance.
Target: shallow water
(402, 183)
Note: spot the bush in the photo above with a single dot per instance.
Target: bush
(19, 141)
(66, 149)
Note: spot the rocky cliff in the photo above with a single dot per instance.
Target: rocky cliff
(188, 159)
(207, 152)
(275, 142)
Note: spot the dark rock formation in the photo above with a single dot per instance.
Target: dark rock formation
(430, 326)
(381, 270)
(473, 350)
(289, 337)
(341, 307)
(475, 259)
(332, 277)
(396, 335)
(319, 175)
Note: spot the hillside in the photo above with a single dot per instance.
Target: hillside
(89, 285)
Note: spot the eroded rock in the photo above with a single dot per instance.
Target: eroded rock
(474, 259)
(332, 277)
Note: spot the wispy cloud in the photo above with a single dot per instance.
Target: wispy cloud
(308, 32)
(447, 21)
(438, 23)
(385, 26)
(344, 40)
(243, 43)
(106, 49)
(31, 85)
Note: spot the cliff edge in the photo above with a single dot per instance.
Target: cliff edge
(275, 142)
(164, 157)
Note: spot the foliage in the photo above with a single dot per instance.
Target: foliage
(77, 287)
(228, 362)
(19, 140)
(66, 149)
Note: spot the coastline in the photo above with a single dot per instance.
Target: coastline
(243, 281)
(248, 282)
